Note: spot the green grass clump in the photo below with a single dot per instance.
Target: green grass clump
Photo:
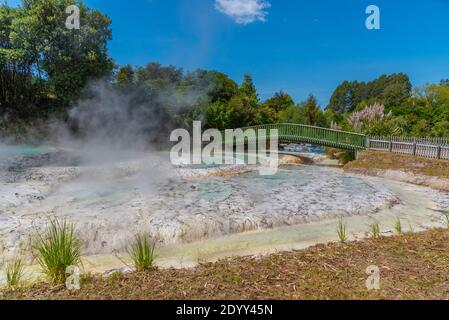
(57, 249)
(398, 226)
(375, 230)
(341, 230)
(14, 273)
(142, 253)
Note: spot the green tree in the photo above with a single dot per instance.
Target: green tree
(280, 101)
(125, 76)
(222, 87)
(444, 82)
(217, 116)
(67, 59)
(265, 115)
(21, 93)
(42, 63)
(392, 91)
(249, 92)
(441, 129)
(347, 96)
(312, 113)
(228, 115)
(293, 114)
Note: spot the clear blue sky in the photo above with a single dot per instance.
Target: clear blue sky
(302, 46)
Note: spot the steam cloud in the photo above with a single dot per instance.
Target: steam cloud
(110, 120)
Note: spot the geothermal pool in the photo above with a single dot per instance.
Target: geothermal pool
(115, 198)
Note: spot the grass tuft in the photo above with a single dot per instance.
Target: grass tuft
(57, 249)
(398, 226)
(375, 230)
(341, 230)
(14, 273)
(142, 252)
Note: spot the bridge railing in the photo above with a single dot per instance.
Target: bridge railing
(296, 133)
(309, 134)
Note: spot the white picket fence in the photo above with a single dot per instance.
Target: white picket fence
(437, 148)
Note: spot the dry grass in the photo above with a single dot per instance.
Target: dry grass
(413, 266)
(369, 160)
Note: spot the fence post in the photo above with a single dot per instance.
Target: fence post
(390, 145)
(414, 148)
(439, 153)
(368, 143)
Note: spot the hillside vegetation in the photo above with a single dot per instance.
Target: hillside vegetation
(46, 69)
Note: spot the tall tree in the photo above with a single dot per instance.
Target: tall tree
(125, 76)
(279, 102)
(392, 91)
(20, 93)
(271, 109)
(249, 91)
(222, 87)
(65, 58)
(311, 111)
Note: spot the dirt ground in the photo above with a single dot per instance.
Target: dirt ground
(412, 266)
(372, 160)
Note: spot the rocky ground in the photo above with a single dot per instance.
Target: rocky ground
(113, 201)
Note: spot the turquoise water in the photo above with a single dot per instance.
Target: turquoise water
(237, 158)
(316, 150)
(7, 151)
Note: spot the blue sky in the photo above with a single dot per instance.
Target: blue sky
(297, 46)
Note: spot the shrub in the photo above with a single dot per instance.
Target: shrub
(347, 156)
(398, 226)
(343, 156)
(142, 252)
(341, 230)
(14, 273)
(57, 249)
(375, 230)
